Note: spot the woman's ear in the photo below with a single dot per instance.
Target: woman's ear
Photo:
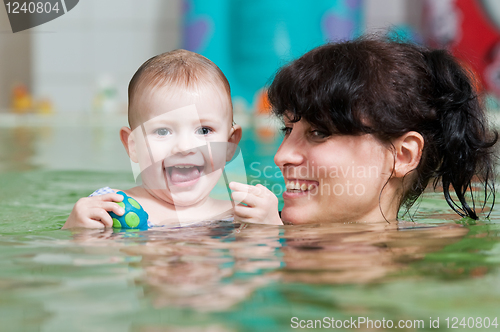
(408, 152)
(234, 138)
(127, 138)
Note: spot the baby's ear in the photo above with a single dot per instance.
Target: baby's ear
(127, 138)
(234, 138)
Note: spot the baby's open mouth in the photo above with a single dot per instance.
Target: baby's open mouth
(184, 174)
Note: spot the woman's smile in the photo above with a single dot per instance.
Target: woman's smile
(297, 188)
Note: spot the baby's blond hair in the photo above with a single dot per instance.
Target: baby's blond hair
(179, 68)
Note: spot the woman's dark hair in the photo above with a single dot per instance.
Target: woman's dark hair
(388, 88)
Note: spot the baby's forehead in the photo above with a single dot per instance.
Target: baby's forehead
(209, 101)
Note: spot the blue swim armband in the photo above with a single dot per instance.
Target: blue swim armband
(134, 217)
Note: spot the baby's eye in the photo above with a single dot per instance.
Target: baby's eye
(204, 131)
(162, 132)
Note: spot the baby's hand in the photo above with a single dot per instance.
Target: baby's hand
(92, 212)
(262, 204)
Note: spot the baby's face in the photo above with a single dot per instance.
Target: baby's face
(182, 141)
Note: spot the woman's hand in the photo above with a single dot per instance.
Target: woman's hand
(92, 212)
(261, 204)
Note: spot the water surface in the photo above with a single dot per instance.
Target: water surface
(222, 277)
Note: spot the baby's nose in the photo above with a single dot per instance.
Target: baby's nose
(186, 144)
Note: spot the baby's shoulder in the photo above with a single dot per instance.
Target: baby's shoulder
(221, 203)
(223, 210)
(102, 191)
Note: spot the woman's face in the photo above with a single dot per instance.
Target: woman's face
(335, 178)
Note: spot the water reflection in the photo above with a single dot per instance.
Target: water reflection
(213, 267)
(360, 253)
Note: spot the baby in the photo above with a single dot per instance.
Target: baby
(181, 134)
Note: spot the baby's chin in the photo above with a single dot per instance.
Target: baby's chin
(185, 196)
(187, 200)
(184, 199)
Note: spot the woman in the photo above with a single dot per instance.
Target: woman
(368, 123)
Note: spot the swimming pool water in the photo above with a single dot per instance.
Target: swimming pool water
(224, 277)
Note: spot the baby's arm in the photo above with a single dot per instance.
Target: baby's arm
(92, 212)
(262, 204)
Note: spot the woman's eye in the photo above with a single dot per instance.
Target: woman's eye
(204, 131)
(286, 130)
(162, 132)
(319, 134)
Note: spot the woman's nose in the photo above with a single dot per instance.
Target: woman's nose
(290, 153)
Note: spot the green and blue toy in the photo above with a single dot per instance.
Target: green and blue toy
(134, 217)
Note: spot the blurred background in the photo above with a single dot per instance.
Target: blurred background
(63, 84)
(63, 99)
